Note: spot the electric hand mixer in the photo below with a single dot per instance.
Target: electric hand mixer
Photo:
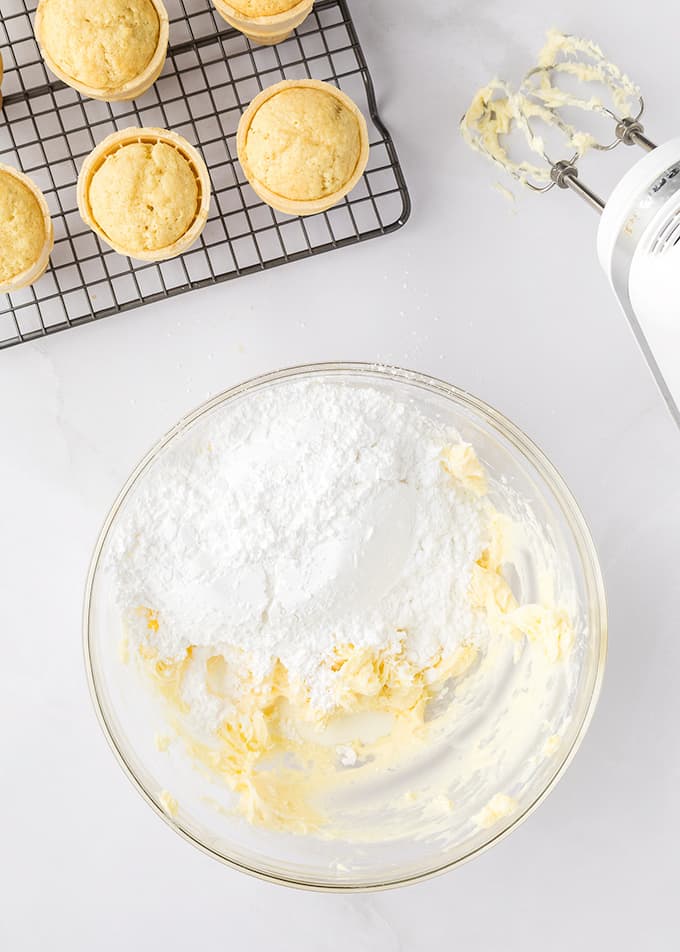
(638, 240)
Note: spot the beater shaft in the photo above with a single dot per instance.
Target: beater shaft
(565, 175)
(631, 132)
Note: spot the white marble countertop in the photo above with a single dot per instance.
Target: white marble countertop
(85, 864)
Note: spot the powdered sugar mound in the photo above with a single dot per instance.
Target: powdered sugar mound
(298, 518)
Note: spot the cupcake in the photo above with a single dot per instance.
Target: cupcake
(145, 192)
(303, 146)
(26, 232)
(264, 21)
(106, 49)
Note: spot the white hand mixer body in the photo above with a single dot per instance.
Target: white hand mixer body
(638, 246)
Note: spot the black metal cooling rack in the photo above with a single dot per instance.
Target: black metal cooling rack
(211, 74)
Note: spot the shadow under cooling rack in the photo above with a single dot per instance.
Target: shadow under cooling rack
(210, 76)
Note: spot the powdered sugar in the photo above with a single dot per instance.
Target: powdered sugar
(299, 518)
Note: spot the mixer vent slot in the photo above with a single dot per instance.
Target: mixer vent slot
(668, 236)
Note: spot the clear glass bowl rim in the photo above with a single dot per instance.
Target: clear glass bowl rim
(596, 608)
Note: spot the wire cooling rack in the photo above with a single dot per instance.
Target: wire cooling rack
(211, 74)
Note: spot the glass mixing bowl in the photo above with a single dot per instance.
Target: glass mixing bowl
(129, 717)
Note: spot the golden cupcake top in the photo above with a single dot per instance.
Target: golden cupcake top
(145, 191)
(263, 8)
(25, 230)
(102, 45)
(144, 196)
(303, 141)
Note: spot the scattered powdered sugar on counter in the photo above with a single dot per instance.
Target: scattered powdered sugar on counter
(297, 519)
